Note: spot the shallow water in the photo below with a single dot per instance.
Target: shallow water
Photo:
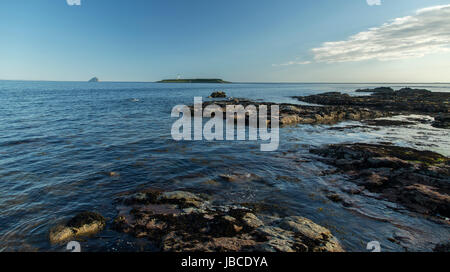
(60, 141)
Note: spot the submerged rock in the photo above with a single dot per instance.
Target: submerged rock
(83, 224)
(210, 228)
(419, 180)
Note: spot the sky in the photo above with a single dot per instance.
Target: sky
(237, 40)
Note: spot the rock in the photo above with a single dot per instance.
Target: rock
(298, 234)
(251, 220)
(445, 247)
(84, 224)
(214, 228)
(382, 90)
(305, 227)
(317, 237)
(299, 114)
(442, 121)
(94, 79)
(386, 100)
(180, 197)
(385, 123)
(218, 94)
(113, 174)
(418, 180)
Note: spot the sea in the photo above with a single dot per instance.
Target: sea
(60, 142)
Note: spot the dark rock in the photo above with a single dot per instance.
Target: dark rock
(404, 101)
(384, 90)
(387, 123)
(94, 79)
(219, 94)
(184, 221)
(419, 180)
(291, 114)
(442, 121)
(442, 248)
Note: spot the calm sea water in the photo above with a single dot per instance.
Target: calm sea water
(59, 141)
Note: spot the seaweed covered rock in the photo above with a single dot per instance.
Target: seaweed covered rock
(405, 100)
(419, 180)
(442, 121)
(218, 94)
(83, 224)
(290, 114)
(179, 221)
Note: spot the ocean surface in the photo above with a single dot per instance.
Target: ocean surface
(60, 140)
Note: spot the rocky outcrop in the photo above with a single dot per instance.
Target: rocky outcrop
(94, 79)
(179, 221)
(418, 180)
(380, 90)
(291, 114)
(442, 121)
(402, 101)
(84, 224)
(445, 247)
(218, 94)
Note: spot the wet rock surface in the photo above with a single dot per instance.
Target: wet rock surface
(183, 221)
(442, 248)
(83, 224)
(218, 94)
(442, 121)
(386, 123)
(292, 114)
(418, 180)
(403, 101)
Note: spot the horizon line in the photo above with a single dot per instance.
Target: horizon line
(243, 82)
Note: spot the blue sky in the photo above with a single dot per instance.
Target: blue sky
(241, 41)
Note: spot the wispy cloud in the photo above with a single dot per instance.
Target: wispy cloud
(374, 2)
(425, 32)
(290, 63)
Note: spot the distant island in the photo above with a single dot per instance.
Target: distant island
(197, 80)
(94, 79)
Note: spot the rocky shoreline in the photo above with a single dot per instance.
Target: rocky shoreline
(186, 221)
(293, 114)
(336, 107)
(180, 221)
(403, 101)
(417, 180)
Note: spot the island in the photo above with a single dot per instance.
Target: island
(196, 80)
(94, 79)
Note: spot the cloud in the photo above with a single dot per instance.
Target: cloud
(373, 2)
(425, 32)
(289, 63)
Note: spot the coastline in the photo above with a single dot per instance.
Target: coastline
(152, 213)
(275, 186)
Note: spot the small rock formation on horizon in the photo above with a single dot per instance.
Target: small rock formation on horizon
(94, 79)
